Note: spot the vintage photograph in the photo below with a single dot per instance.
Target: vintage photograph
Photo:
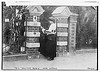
(49, 37)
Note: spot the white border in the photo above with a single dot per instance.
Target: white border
(56, 2)
(53, 2)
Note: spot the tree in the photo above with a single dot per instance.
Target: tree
(86, 26)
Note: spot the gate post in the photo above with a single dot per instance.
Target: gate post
(72, 32)
(32, 31)
(64, 30)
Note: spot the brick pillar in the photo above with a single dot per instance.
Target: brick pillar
(62, 36)
(72, 33)
(32, 30)
(32, 35)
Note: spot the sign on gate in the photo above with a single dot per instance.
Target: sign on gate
(62, 29)
(33, 28)
(33, 34)
(6, 20)
(62, 34)
(32, 24)
(32, 40)
(62, 38)
(61, 43)
(62, 25)
(32, 44)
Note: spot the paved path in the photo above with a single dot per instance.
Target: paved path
(80, 61)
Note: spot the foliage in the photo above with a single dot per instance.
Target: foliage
(86, 26)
